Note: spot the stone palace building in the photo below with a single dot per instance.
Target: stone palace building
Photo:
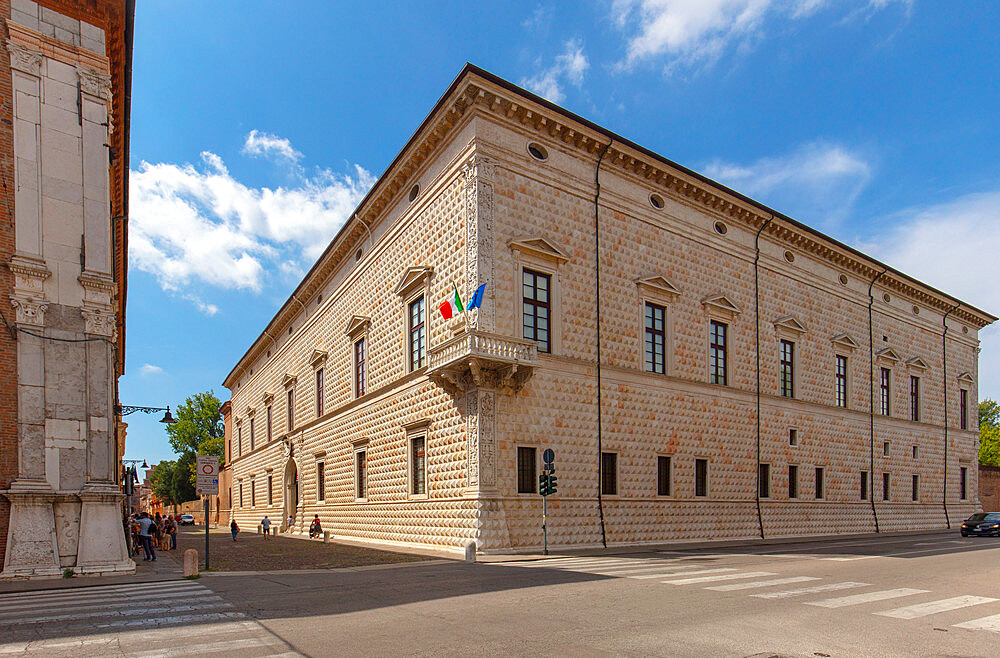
(64, 109)
(703, 366)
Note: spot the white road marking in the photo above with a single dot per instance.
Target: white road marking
(210, 647)
(674, 573)
(31, 597)
(934, 607)
(635, 570)
(110, 598)
(174, 619)
(809, 590)
(762, 583)
(728, 576)
(857, 599)
(125, 610)
(991, 623)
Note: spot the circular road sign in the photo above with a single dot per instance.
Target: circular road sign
(548, 456)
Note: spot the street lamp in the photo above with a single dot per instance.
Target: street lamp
(125, 410)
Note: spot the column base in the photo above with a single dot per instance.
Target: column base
(102, 548)
(32, 551)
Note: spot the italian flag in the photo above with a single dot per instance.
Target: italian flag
(451, 307)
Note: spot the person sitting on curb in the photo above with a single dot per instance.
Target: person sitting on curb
(265, 525)
(233, 528)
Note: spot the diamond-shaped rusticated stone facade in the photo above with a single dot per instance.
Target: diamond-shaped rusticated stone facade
(497, 182)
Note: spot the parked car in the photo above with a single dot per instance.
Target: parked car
(187, 519)
(984, 523)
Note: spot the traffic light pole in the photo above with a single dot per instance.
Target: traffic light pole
(545, 532)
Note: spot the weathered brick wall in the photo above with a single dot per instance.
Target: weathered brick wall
(989, 488)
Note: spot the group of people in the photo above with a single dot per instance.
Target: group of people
(315, 527)
(152, 532)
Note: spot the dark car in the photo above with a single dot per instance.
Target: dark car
(984, 523)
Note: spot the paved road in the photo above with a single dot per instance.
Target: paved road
(934, 594)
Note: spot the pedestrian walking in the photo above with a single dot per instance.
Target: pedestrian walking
(265, 525)
(146, 529)
(234, 529)
(291, 522)
(172, 534)
(315, 529)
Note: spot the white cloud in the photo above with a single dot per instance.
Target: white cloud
(150, 369)
(953, 246)
(265, 144)
(690, 32)
(191, 225)
(817, 183)
(571, 65)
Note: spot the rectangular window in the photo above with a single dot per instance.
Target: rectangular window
(915, 452)
(361, 474)
(841, 381)
(535, 301)
(701, 477)
(251, 435)
(885, 448)
(320, 481)
(916, 487)
(663, 475)
(253, 493)
(963, 409)
(793, 481)
(270, 435)
(418, 473)
(319, 392)
(239, 440)
(914, 398)
(418, 334)
(359, 367)
(656, 338)
(793, 437)
(963, 483)
(290, 411)
(270, 490)
(885, 377)
(885, 486)
(609, 473)
(718, 370)
(526, 470)
(241, 494)
(764, 477)
(787, 369)
(820, 484)
(864, 485)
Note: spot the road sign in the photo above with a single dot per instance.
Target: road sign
(207, 471)
(549, 456)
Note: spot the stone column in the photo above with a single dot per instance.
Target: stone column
(480, 173)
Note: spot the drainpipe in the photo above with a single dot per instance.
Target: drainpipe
(756, 301)
(944, 355)
(597, 263)
(871, 397)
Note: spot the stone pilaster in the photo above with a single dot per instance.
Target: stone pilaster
(480, 173)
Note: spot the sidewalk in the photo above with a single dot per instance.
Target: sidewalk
(164, 568)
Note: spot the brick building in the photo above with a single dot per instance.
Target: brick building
(702, 365)
(64, 111)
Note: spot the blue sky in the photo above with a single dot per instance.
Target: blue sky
(257, 126)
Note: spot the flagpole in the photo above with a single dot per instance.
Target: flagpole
(465, 314)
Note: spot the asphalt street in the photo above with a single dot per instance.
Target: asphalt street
(922, 595)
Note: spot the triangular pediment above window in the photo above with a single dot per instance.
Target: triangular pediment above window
(250, 412)
(540, 247)
(288, 380)
(966, 378)
(788, 324)
(844, 342)
(414, 278)
(318, 358)
(916, 363)
(267, 398)
(658, 286)
(357, 326)
(888, 355)
(721, 304)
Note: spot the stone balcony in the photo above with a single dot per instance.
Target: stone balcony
(475, 358)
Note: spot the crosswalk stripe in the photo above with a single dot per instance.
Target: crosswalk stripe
(809, 590)
(635, 570)
(673, 572)
(728, 576)
(174, 620)
(211, 647)
(934, 607)
(856, 599)
(109, 598)
(127, 610)
(83, 591)
(761, 583)
(588, 563)
(991, 623)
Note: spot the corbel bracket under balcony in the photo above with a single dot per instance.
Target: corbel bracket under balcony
(474, 359)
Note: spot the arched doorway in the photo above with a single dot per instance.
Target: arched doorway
(291, 493)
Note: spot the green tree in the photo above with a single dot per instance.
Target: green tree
(199, 429)
(989, 433)
(171, 481)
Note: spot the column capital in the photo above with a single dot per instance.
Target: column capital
(25, 59)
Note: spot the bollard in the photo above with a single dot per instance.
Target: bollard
(190, 563)
(470, 551)
(326, 536)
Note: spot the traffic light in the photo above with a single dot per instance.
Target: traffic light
(552, 483)
(543, 483)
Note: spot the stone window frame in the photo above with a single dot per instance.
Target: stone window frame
(543, 256)
(253, 492)
(239, 437)
(517, 469)
(793, 436)
(359, 446)
(289, 382)
(357, 331)
(318, 364)
(887, 359)
(915, 451)
(764, 492)
(319, 460)
(658, 290)
(721, 309)
(796, 490)
(616, 475)
(708, 476)
(267, 400)
(963, 480)
(885, 391)
(866, 485)
(241, 494)
(916, 367)
(269, 472)
(415, 283)
(417, 430)
(965, 383)
(789, 329)
(251, 415)
(886, 486)
(671, 458)
(844, 347)
(819, 484)
(915, 487)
